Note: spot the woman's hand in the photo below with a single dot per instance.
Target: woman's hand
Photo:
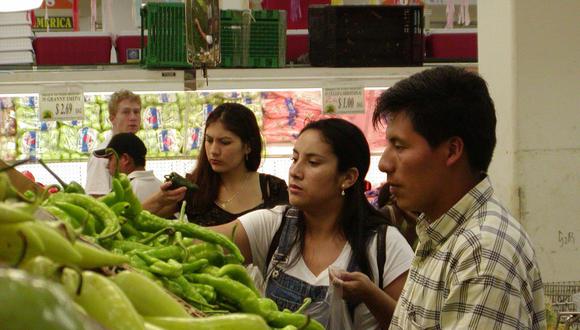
(355, 286)
(358, 288)
(164, 203)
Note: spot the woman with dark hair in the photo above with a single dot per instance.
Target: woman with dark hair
(329, 223)
(226, 173)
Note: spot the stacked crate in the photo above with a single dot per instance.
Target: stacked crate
(166, 36)
(15, 39)
(366, 36)
(253, 38)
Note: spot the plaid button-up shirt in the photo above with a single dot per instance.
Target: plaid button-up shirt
(474, 268)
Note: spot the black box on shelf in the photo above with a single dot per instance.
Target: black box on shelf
(359, 36)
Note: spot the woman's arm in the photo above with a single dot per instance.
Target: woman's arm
(240, 237)
(357, 287)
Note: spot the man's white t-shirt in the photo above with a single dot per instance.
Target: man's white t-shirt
(98, 177)
(144, 184)
(261, 225)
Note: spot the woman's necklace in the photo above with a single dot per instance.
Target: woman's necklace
(224, 203)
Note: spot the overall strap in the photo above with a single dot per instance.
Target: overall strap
(278, 248)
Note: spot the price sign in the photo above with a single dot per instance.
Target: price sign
(343, 100)
(67, 104)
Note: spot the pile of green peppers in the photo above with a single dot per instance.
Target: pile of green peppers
(168, 258)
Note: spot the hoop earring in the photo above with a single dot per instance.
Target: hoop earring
(342, 192)
(246, 157)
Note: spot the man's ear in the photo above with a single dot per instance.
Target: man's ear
(455, 149)
(350, 177)
(125, 161)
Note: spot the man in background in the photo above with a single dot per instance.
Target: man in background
(474, 266)
(131, 153)
(125, 116)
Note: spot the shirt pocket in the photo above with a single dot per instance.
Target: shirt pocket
(416, 323)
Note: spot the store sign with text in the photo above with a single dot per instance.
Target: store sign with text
(61, 103)
(54, 23)
(342, 100)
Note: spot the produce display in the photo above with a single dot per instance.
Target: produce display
(172, 123)
(107, 263)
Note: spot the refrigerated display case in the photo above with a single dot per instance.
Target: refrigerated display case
(284, 100)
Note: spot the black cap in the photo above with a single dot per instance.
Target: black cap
(125, 143)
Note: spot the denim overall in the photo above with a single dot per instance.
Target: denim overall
(288, 291)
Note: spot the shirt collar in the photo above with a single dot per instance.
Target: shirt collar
(138, 174)
(439, 230)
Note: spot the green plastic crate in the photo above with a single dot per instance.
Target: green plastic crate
(165, 25)
(234, 33)
(268, 39)
(253, 38)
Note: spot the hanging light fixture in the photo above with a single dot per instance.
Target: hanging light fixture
(19, 5)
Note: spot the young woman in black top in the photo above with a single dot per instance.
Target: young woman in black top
(226, 173)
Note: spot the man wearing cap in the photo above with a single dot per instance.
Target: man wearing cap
(131, 152)
(125, 116)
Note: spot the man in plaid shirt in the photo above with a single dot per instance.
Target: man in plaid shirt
(474, 267)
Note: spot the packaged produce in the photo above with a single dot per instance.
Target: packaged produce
(170, 142)
(151, 117)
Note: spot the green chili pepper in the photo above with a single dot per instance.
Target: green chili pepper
(120, 208)
(128, 246)
(178, 181)
(93, 257)
(301, 321)
(190, 293)
(267, 304)
(305, 303)
(79, 214)
(35, 303)
(19, 242)
(74, 187)
(62, 215)
(231, 321)
(42, 267)
(108, 199)
(171, 268)
(100, 211)
(151, 223)
(118, 190)
(148, 297)
(12, 212)
(211, 270)
(105, 302)
(130, 197)
(214, 257)
(231, 259)
(243, 297)
(167, 252)
(207, 291)
(238, 273)
(194, 266)
(56, 246)
(128, 231)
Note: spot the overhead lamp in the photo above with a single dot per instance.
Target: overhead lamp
(19, 5)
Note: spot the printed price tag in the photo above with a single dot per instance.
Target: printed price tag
(343, 100)
(66, 104)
